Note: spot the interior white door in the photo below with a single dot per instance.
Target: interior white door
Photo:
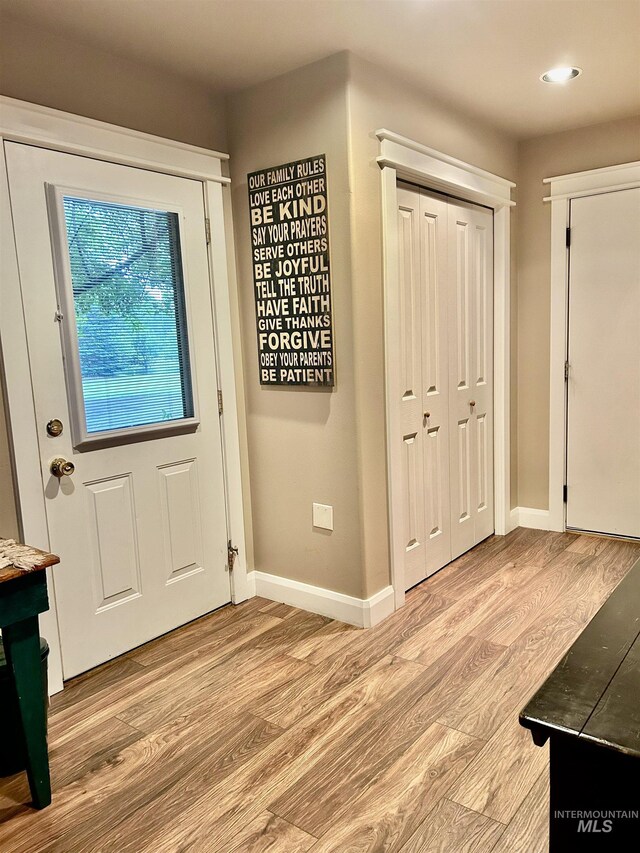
(470, 374)
(114, 275)
(445, 274)
(603, 388)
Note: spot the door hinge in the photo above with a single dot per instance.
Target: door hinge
(207, 229)
(568, 237)
(232, 553)
(564, 493)
(220, 402)
(566, 370)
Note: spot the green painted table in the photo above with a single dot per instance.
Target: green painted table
(23, 595)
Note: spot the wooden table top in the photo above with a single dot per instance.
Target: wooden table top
(17, 560)
(593, 692)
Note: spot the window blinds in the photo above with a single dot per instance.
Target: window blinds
(128, 294)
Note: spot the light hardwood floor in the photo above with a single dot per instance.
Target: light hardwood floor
(263, 728)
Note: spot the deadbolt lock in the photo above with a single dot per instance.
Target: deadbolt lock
(55, 427)
(61, 468)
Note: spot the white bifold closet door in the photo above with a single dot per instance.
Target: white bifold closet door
(445, 251)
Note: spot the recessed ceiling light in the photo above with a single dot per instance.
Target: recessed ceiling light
(560, 75)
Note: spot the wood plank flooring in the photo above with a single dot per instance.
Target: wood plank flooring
(263, 728)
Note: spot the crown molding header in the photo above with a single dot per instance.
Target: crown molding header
(624, 176)
(37, 125)
(412, 160)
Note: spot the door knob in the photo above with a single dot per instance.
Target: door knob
(61, 468)
(472, 403)
(426, 416)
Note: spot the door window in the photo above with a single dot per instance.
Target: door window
(124, 318)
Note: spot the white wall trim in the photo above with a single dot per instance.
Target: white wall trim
(60, 131)
(414, 161)
(229, 422)
(21, 419)
(563, 189)
(536, 519)
(363, 612)
(402, 158)
(621, 176)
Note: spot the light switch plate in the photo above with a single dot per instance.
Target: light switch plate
(323, 516)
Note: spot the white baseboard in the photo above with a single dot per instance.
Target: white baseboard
(251, 583)
(537, 519)
(363, 612)
(513, 521)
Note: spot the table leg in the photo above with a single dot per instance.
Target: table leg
(22, 649)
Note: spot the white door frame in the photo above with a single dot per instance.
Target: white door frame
(403, 159)
(59, 131)
(563, 189)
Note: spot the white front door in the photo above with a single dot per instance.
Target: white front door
(115, 282)
(603, 395)
(445, 255)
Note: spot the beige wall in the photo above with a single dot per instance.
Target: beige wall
(302, 443)
(41, 67)
(329, 446)
(377, 99)
(556, 154)
(303, 446)
(307, 446)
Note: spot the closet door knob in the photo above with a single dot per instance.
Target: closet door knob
(472, 403)
(426, 416)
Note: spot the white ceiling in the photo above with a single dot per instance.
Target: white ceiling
(481, 56)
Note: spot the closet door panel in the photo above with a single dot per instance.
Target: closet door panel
(411, 361)
(435, 386)
(482, 370)
(461, 348)
(471, 374)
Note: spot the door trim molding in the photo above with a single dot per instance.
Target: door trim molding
(59, 131)
(562, 189)
(404, 159)
(36, 125)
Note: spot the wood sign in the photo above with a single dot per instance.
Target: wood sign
(292, 282)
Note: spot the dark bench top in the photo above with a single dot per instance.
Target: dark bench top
(594, 692)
